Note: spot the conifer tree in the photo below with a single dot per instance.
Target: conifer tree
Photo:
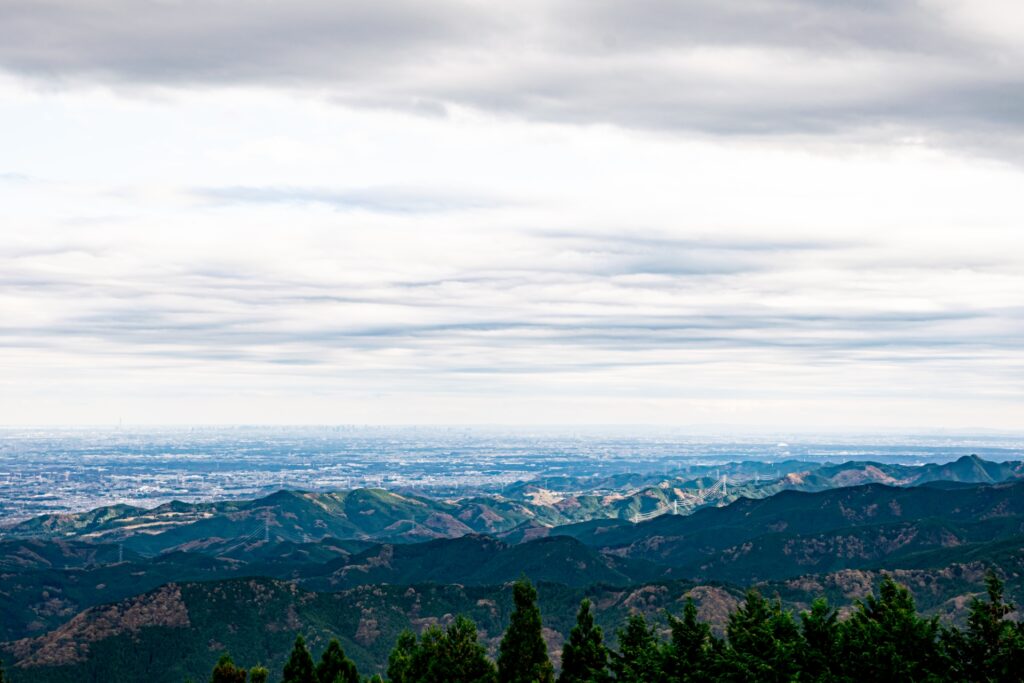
(687, 657)
(584, 656)
(639, 657)
(992, 647)
(885, 639)
(400, 659)
(299, 667)
(523, 655)
(1, 671)
(452, 655)
(335, 667)
(258, 674)
(763, 642)
(819, 653)
(461, 657)
(225, 671)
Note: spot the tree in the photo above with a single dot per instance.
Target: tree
(225, 671)
(819, 653)
(992, 648)
(1, 671)
(400, 659)
(452, 655)
(763, 642)
(885, 639)
(523, 655)
(639, 657)
(299, 667)
(258, 674)
(687, 657)
(335, 667)
(584, 656)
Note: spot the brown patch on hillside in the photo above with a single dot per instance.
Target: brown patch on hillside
(69, 644)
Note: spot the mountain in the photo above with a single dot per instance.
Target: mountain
(481, 560)
(793, 533)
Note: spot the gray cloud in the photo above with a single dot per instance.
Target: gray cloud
(724, 68)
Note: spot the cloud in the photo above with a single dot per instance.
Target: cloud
(947, 72)
(383, 200)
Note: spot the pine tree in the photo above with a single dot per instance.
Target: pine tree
(819, 652)
(687, 657)
(258, 674)
(584, 656)
(885, 639)
(463, 659)
(226, 672)
(1, 671)
(452, 655)
(299, 667)
(992, 648)
(763, 642)
(400, 659)
(335, 667)
(523, 655)
(639, 657)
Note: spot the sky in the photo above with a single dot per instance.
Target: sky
(777, 214)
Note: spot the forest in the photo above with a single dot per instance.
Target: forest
(883, 638)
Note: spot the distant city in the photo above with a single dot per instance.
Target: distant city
(71, 470)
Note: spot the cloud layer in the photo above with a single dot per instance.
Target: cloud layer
(771, 213)
(943, 70)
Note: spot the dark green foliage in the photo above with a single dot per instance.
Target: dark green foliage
(885, 639)
(688, 657)
(523, 655)
(584, 656)
(1, 671)
(639, 657)
(400, 659)
(335, 667)
(226, 672)
(258, 674)
(299, 668)
(451, 655)
(763, 642)
(992, 647)
(819, 656)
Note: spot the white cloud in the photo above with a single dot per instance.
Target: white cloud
(580, 237)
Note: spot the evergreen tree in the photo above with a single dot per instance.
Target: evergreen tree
(819, 652)
(992, 648)
(639, 657)
(1, 671)
(463, 659)
(452, 655)
(400, 659)
(258, 674)
(226, 672)
(299, 667)
(376, 678)
(763, 642)
(687, 657)
(523, 655)
(885, 639)
(584, 656)
(335, 667)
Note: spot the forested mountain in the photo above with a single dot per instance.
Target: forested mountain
(93, 595)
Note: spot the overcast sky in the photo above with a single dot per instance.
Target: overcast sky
(778, 214)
